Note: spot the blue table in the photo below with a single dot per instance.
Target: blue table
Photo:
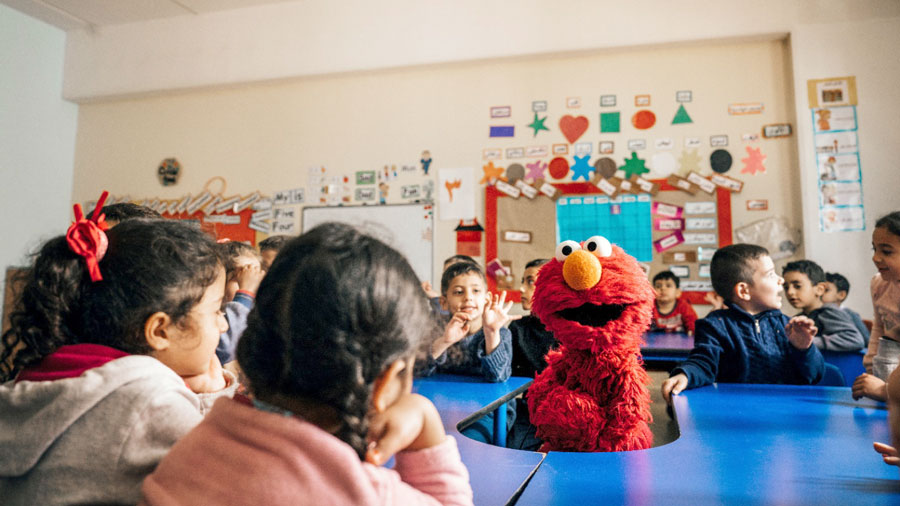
(666, 347)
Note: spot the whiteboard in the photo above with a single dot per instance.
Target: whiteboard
(408, 228)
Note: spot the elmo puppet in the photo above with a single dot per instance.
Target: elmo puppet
(593, 394)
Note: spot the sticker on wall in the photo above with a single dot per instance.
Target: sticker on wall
(513, 153)
(383, 190)
(582, 148)
(547, 189)
(491, 154)
(514, 173)
(573, 127)
(667, 242)
(503, 111)
(776, 130)
(750, 137)
(559, 167)
(753, 164)
(634, 165)
(637, 144)
(365, 177)
(689, 161)
(746, 108)
(606, 147)
(365, 194)
(168, 172)
(539, 106)
(664, 143)
(508, 189)
(693, 142)
(681, 184)
(607, 186)
(526, 189)
(538, 124)
(609, 122)
(573, 102)
(720, 161)
(643, 119)
(536, 151)
(758, 205)
(535, 170)
(682, 116)
(607, 100)
(605, 167)
(503, 131)
(667, 210)
(684, 96)
(581, 168)
(412, 191)
(428, 190)
(644, 185)
(701, 182)
(718, 140)
(642, 100)
(425, 161)
(663, 163)
(491, 173)
(730, 184)
(560, 149)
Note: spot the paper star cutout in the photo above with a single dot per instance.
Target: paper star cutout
(581, 168)
(634, 165)
(690, 161)
(754, 162)
(535, 170)
(491, 173)
(538, 124)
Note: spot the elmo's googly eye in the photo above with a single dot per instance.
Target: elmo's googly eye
(599, 246)
(565, 249)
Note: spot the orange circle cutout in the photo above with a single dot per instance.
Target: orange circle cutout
(643, 119)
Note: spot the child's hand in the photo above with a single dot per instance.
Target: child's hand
(890, 454)
(457, 328)
(800, 332)
(212, 380)
(429, 290)
(249, 276)
(412, 423)
(715, 300)
(496, 315)
(673, 386)
(867, 385)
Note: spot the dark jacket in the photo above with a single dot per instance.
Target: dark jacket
(530, 344)
(733, 346)
(836, 330)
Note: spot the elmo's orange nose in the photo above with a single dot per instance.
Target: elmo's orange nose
(581, 270)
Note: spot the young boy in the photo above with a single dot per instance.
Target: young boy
(751, 341)
(243, 274)
(804, 283)
(670, 313)
(269, 248)
(530, 340)
(475, 341)
(836, 290)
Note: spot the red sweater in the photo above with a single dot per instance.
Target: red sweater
(680, 319)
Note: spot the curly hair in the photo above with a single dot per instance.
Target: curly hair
(149, 266)
(335, 310)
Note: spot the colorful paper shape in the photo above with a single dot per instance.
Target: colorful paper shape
(605, 167)
(681, 116)
(514, 173)
(535, 170)
(573, 127)
(667, 210)
(538, 124)
(491, 173)
(753, 164)
(663, 163)
(668, 242)
(634, 165)
(559, 167)
(581, 168)
(720, 161)
(690, 161)
(609, 122)
(503, 131)
(643, 119)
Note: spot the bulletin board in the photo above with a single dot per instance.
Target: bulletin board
(408, 228)
(539, 217)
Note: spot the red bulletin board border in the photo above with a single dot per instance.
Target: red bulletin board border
(491, 194)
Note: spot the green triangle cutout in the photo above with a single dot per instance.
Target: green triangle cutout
(681, 116)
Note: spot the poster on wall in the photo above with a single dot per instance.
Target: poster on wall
(832, 105)
(456, 194)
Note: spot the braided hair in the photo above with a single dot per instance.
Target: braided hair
(335, 310)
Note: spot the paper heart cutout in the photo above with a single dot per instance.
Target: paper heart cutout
(573, 127)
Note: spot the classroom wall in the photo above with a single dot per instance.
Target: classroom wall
(865, 49)
(37, 136)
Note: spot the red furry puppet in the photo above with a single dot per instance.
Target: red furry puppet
(593, 394)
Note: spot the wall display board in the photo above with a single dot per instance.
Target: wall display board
(409, 228)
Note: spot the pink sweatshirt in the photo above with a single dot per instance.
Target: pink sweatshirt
(241, 455)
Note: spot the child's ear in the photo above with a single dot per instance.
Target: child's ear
(388, 386)
(444, 305)
(156, 331)
(819, 289)
(742, 290)
(678, 293)
(841, 295)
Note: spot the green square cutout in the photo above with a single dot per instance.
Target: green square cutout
(609, 122)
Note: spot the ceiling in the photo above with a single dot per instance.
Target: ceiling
(85, 14)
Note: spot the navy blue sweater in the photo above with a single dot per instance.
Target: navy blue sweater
(733, 346)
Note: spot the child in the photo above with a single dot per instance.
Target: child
(836, 290)
(329, 351)
(884, 347)
(750, 341)
(530, 340)
(804, 284)
(671, 313)
(475, 341)
(243, 274)
(117, 213)
(426, 285)
(103, 356)
(269, 248)
(889, 453)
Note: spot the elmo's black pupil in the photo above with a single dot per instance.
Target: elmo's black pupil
(591, 246)
(566, 250)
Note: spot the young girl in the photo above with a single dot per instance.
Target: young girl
(884, 345)
(328, 353)
(110, 331)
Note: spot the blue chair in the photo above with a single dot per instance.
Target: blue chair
(849, 362)
(832, 377)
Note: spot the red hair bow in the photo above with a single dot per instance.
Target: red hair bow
(86, 237)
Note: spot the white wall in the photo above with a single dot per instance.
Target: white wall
(37, 136)
(867, 50)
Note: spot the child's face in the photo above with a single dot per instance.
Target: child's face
(232, 285)
(466, 294)
(832, 295)
(765, 291)
(886, 255)
(527, 288)
(666, 291)
(800, 291)
(196, 337)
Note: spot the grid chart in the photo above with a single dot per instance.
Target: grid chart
(623, 220)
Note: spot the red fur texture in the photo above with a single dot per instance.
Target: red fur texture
(593, 394)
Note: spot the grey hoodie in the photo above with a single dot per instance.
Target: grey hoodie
(92, 439)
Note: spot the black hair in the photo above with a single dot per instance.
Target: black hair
(126, 211)
(460, 258)
(336, 309)
(149, 266)
(537, 262)
(891, 222)
(812, 270)
(458, 269)
(668, 275)
(231, 251)
(273, 242)
(840, 282)
(730, 265)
